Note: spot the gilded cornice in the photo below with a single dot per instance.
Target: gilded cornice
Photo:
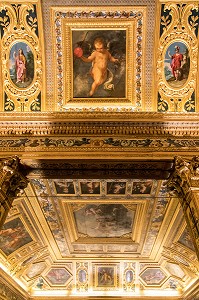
(98, 113)
(100, 123)
(99, 134)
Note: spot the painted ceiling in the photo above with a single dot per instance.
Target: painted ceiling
(56, 40)
(97, 236)
(74, 236)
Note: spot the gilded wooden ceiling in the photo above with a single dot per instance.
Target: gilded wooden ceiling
(55, 41)
(96, 219)
(73, 236)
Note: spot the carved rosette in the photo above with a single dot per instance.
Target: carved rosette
(19, 27)
(178, 25)
(12, 181)
(185, 183)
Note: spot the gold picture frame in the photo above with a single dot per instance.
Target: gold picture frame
(122, 30)
(106, 276)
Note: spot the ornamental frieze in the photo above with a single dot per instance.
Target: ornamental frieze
(168, 144)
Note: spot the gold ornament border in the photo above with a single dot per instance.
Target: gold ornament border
(61, 16)
(28, 36)
(178, 30)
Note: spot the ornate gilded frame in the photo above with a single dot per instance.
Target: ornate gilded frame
(176, 25)
(130, 19)
(112, 283)
(20, 25)
(76, 237)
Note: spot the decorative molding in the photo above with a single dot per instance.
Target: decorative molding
(73, 133)
(156, 169)
(99, 128)
(121, 123)
(85, 144)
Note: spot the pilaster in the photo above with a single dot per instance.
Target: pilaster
(12, 181)
(185, 183)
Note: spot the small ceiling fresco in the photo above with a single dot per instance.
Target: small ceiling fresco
(142, 187)
(173, 284)
(64, 187)
(13, 236)
(116, 188)
(153, 276)
(174, 270)
(90, 188)
(57, 276)
(36, 269)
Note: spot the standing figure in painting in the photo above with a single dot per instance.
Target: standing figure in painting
(176, 63)
(99, 71)
(106, 277)
(20, 62)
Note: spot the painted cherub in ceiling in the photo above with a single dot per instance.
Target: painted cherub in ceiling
(104, 54)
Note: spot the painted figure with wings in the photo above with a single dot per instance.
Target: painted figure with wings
(100, 59)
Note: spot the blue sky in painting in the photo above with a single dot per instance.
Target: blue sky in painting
(167, 59)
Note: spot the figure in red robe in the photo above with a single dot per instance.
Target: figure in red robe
(176, 63)
(20, 61)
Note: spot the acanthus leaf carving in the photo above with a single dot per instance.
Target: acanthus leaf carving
(11, 183)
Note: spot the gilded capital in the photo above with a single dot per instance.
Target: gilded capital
(184, 182)
(184, 173)
(12, 181)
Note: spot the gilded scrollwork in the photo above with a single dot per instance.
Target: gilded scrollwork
(21, 57)
(176, 72)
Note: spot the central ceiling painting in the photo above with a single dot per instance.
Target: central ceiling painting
(104, 220)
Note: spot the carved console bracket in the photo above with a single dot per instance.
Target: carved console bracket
(185, 183)
(12, 181)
